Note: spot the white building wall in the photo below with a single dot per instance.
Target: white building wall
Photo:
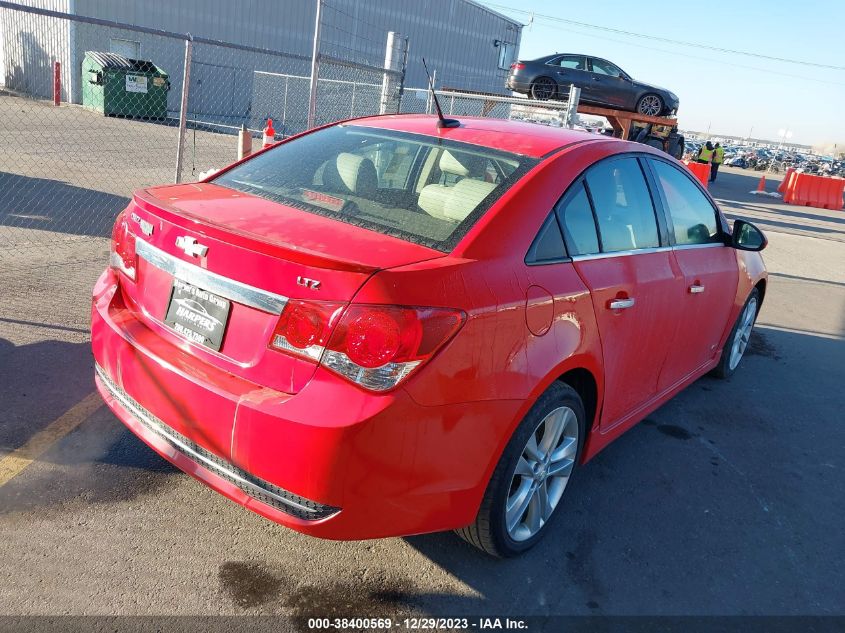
(31, 43)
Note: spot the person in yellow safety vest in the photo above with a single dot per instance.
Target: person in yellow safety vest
(718, 159)
(705, 154)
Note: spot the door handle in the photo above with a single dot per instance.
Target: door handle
(696, 289)
(621, 304)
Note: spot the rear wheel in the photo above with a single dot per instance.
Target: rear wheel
(650, 105)
(529, 481)
(739, 337)
(543, 89)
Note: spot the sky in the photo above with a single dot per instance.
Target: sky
(726, 93)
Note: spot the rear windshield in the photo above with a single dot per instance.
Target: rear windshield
(421, 189)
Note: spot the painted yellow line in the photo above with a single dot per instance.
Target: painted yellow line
(20, 458)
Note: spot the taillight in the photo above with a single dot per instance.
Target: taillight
(374, 346)
(304, 327)
(517, 66)
(122, 256)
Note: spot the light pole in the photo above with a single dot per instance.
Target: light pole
(784, 134)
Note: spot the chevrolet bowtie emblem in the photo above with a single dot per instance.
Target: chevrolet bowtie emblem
(190, 246)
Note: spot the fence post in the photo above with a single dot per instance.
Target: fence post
(244, 142)
(315, 66)
(403, 69)
(428, 102)
(571, 111)
(390, 82)
(183, 108)
(57, 82)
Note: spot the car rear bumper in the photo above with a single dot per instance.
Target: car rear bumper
(331, 461)
(517, 85)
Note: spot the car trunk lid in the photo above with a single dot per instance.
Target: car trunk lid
(212, 257)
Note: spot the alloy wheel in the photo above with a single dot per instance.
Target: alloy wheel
(543, 89)
(743, 333)
(541, 474)
(650, 105)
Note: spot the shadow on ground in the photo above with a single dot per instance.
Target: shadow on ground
(53, 205)
(100, 461)
(722, 494)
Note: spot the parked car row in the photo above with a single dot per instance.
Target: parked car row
(766, 159)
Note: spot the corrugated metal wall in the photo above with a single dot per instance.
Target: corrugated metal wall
(455, 36)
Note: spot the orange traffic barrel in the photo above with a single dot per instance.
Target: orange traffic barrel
(785, 181)
(700, 171)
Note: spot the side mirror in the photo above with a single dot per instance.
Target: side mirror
(747, 237)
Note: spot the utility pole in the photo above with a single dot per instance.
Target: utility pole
(315, 66)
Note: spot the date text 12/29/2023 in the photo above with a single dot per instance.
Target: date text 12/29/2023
(447, 624)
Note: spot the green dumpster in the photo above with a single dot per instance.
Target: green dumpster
(118, 86)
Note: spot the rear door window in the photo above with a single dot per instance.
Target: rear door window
(622, 205)
(421, 189)
(576, 218)
(548, 245)
(574, 62)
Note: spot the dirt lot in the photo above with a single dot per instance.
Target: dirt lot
(728, 500)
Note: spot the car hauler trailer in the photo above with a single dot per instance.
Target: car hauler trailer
(658, 131)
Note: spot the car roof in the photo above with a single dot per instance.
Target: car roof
(517, 137)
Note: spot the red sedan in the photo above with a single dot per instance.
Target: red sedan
(385, 327)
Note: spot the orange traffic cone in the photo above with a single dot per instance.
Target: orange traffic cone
(269, 134)
(761, 186)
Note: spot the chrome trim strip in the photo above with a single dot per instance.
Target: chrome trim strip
(207, 280)
(686, 247)
(639, 251)
(158, 427)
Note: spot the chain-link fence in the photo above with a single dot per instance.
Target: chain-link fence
(93, 109)
(66, 171)
(87, 119)
(556, 113)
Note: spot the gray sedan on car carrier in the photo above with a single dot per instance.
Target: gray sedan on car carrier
(601, 83)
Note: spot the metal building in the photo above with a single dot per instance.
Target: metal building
(469, 45)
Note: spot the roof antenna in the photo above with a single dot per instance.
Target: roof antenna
(442, 122)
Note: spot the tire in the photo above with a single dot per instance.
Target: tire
(543, 89)
(651, 105)
(655, 143)
(738, 339)
(489, 532)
